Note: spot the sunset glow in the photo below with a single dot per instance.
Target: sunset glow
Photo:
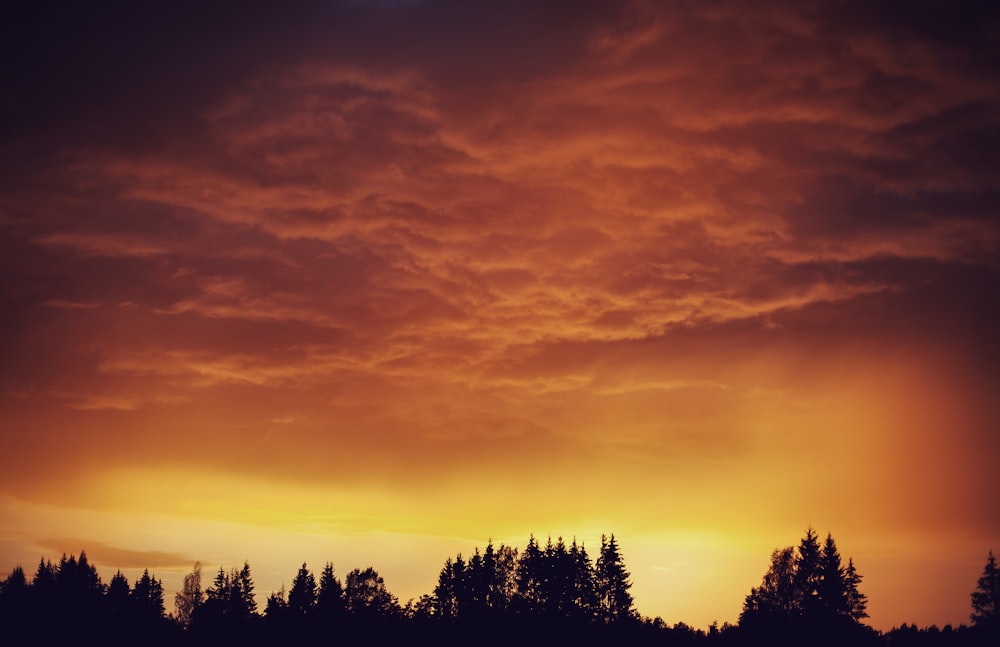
(376, 283)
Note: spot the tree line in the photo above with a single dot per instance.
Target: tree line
(498, 594)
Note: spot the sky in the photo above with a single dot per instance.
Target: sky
(377, 282)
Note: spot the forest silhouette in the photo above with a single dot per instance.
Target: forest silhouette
(541, 594)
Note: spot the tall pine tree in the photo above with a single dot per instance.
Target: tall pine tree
(832, 588)
(986, 597)
(330, 597)
(302, 596)
(857, 602)
(147, 595)
(807, 574)
(613, 583)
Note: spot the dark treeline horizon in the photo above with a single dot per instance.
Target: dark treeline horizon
(495, 595)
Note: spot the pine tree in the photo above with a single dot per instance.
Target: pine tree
(118, 594)
(44, 580)
(492, 600)
(330, 597)
(16, 582)
(219, 591)
(231, 594)
(478, 583)
(613, 583)
(857, 602)
(445, 605)
(986, 597)
(243, 583)
(530, 578)
(832, 589)
(807, 574)
(558, 579)
(302, 597)
(14, 598)
(276, 605)
(87, 577)
(584, 585)
(147, 595)
(460, 585)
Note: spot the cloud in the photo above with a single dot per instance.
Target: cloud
(110, 556)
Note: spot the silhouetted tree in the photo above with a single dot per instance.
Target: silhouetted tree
(277, 605)
(330, 605)
(857, 602)
(584, 584)
(558, 582)
(461, 585)
(231, 596)
(775, 599)
(15, 584)
(367, 597)
(302, 596)
(147, 595)
(613, 583)
(44, 580)
(530, 579)
(421, 610)
(444, 599)
(986, 597)
(118, 594)
(14, 598)
(477, 588)
(807, 594)
(79, 594)
(78, 578)
(807, 574)
(190, 597)
(247, 605)
(500, 573)
(832, 588)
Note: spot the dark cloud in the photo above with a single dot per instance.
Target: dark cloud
(108, 556)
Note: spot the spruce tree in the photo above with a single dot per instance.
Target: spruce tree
(584, 585)
(118, 594)
(857, 602)
(832, 588)
(460, 584)
(445, 604)
(247, 605)
(330, 597)
(530, 578)
(478, 583)
(44, 580)
(276, 605)
(302, 596)
(613, 583)
(986, 597)
(807, 574)
(147, 595)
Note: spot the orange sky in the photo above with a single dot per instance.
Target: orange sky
(375, 283)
